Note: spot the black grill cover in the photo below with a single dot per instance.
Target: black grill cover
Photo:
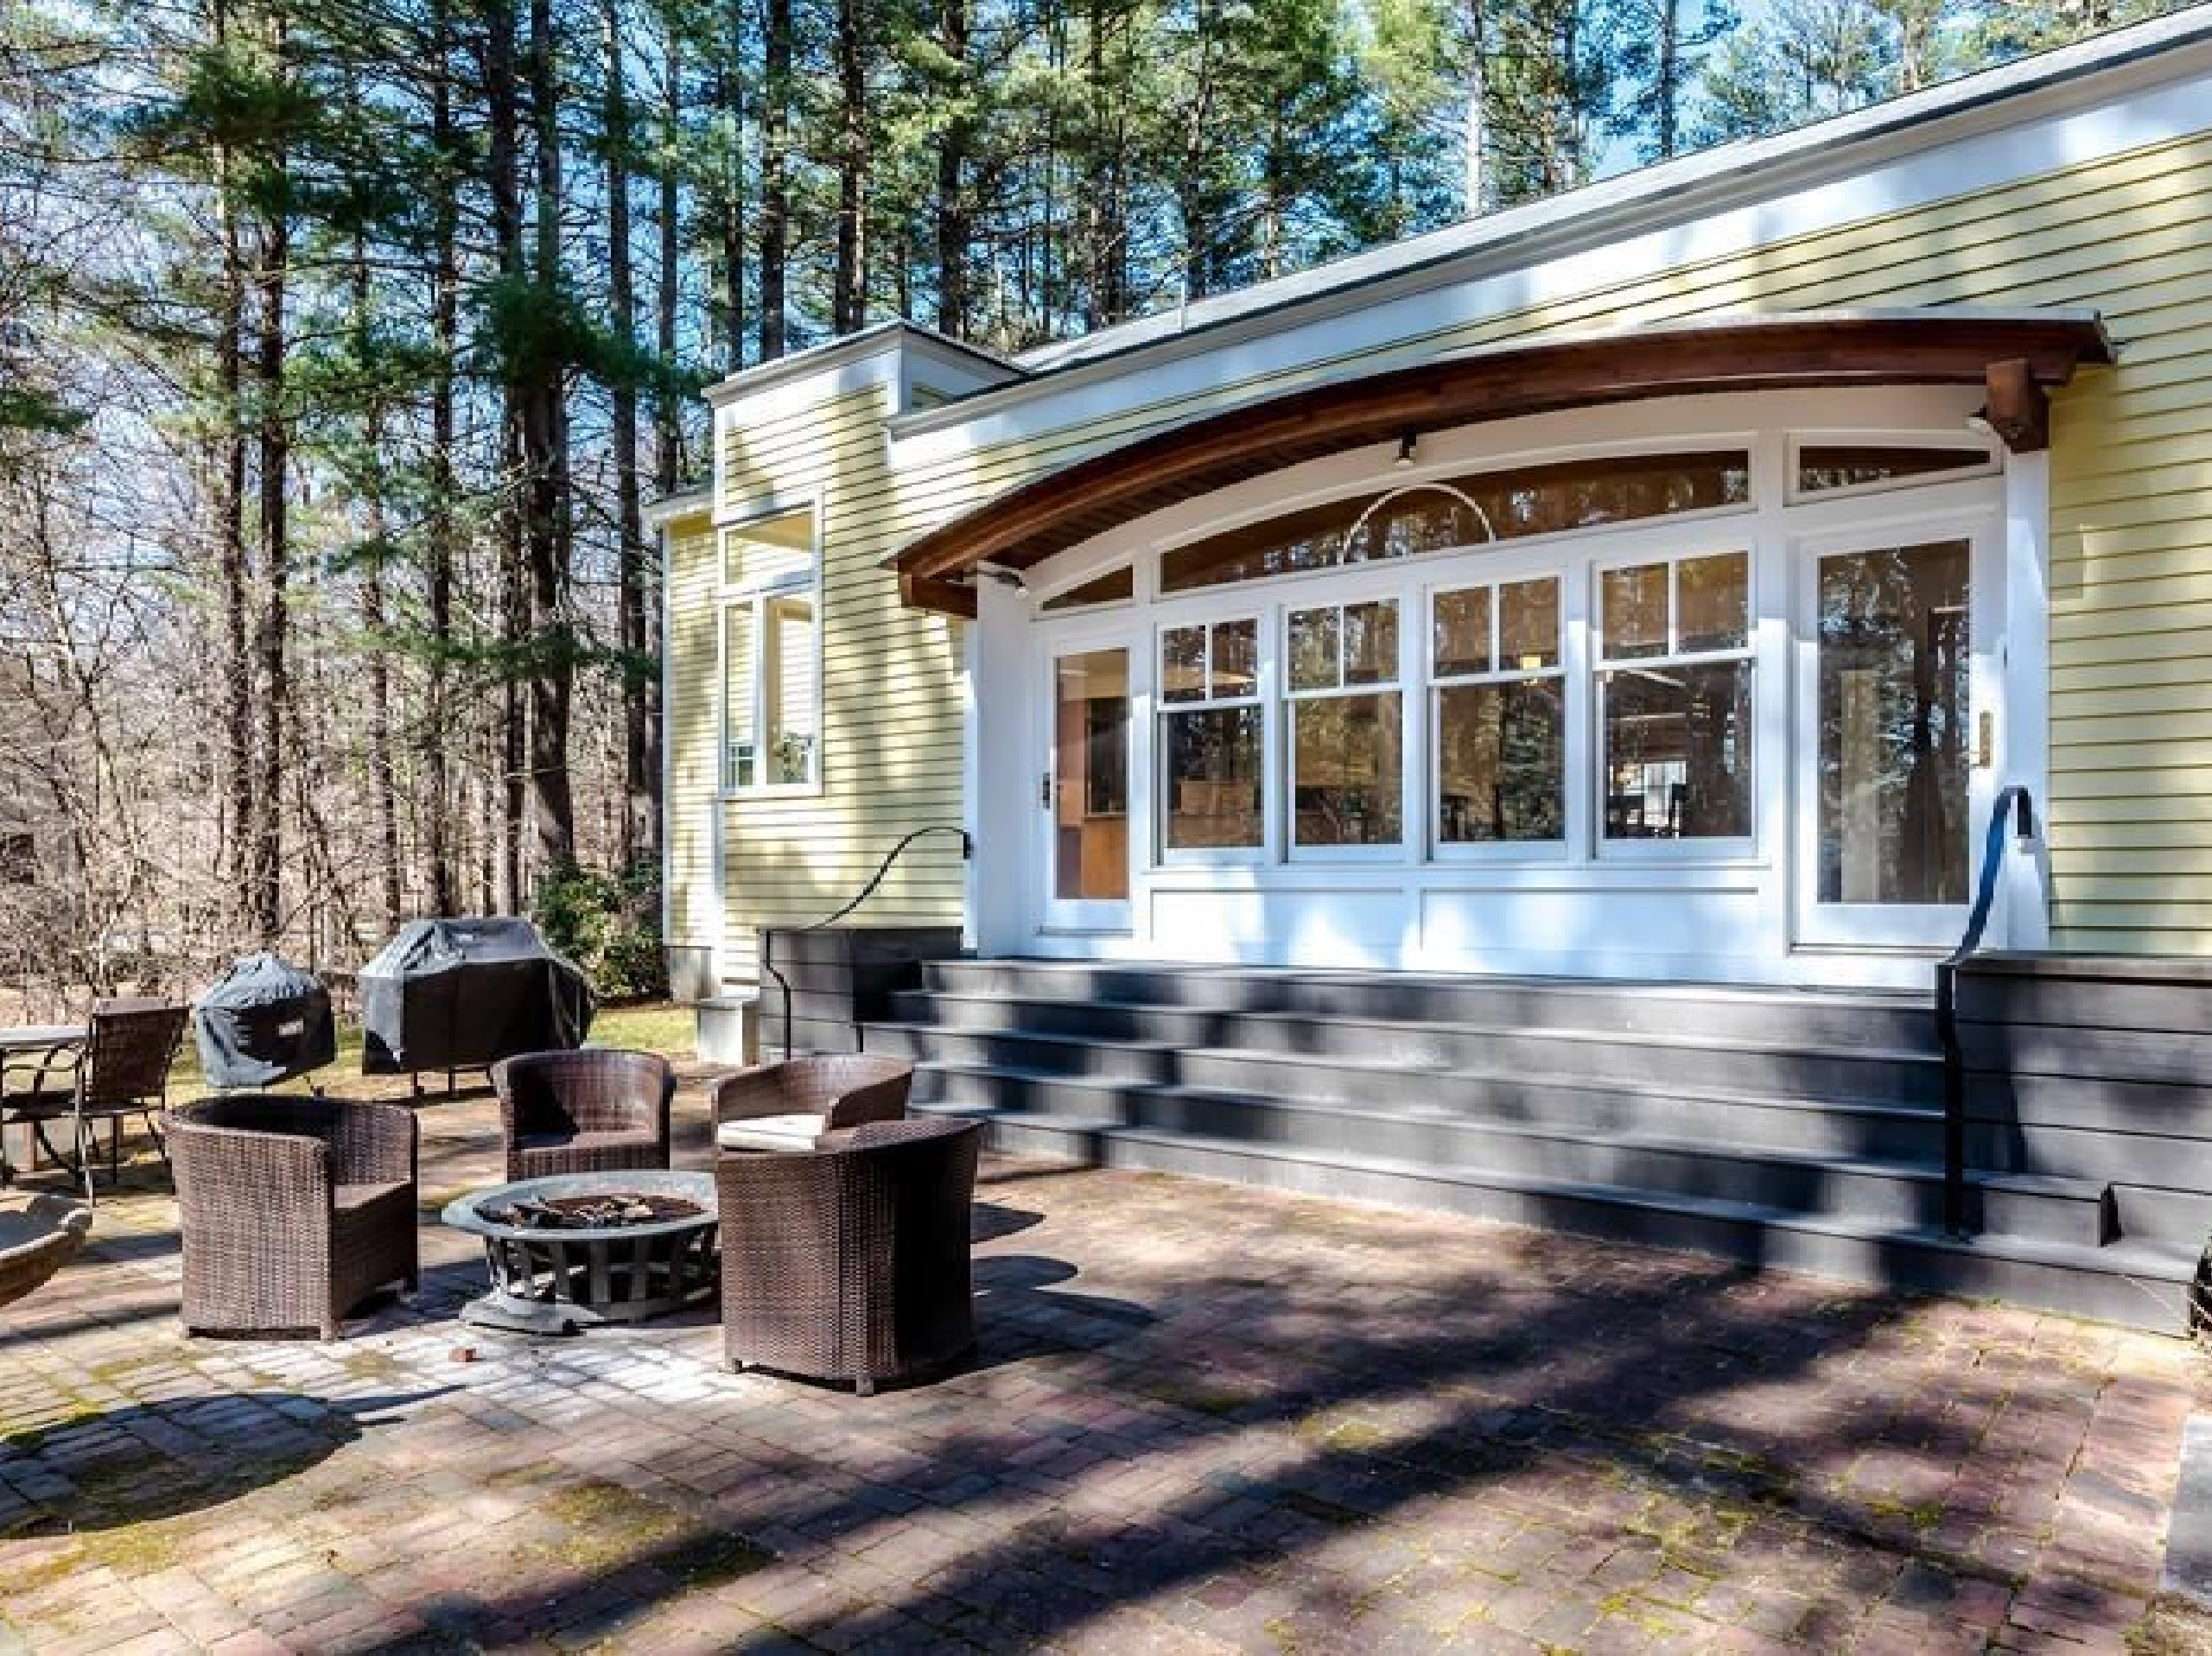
(262, 1021)
(462, 994)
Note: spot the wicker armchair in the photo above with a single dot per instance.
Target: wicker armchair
(590, 1111)
(789, 1106)
(850, 1262)
(292, 1210)
(123, 1070)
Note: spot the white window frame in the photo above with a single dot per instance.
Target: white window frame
(1433, 684)
(755, 596)
(1390, 589)
(1702, 848)
(1989, 465)
(1262, 697)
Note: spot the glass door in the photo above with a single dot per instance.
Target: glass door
(1082, 790)
(1894, 728)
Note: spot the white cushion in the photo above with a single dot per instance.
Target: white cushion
(770, 1132)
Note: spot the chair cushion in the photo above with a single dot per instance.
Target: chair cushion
(603, 1140)
(770, 1132)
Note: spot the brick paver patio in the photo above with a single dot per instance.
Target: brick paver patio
(1202, 1417)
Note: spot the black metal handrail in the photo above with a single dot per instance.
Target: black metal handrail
(882, 869)
(2013, 799)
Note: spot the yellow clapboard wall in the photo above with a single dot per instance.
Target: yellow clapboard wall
(2131, 541)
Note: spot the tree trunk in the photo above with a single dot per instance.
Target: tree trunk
(441, 523)
(272, 462)
(775, 189)
(639, 811)
(504, 180)
(954, 228)
(235, 567)
(545, 458)
(1669, 76)
(848, 298)
(383, 782)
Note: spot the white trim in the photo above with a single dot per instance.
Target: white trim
(2024, 730)
(883, 338)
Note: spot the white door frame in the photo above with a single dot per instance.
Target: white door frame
(1055, 643)
(1971, 511)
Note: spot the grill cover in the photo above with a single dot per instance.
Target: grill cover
(262, 1021)
(462, 994)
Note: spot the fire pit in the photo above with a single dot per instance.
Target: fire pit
(589, 1248)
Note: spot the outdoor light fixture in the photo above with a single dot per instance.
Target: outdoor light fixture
(1406, 442)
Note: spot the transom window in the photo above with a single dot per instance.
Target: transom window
(1824, 467)
(1500, 713)
(1347, 722)
(771, 698)
(1674, 679)
(1470, 511)
(1212, 736)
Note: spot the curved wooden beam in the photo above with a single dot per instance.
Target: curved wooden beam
(2025, 352)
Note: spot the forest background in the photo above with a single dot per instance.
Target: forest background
(343, 344)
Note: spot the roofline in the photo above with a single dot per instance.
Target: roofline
(851, 347)
(684, 503)
(1643, 199)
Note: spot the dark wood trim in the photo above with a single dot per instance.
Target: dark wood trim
(2018, 408)
(1029, 523)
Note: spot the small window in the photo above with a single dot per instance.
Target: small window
(1346, 725)
(1500, 713)
(1212, 737)
(1825, 467)
(771, 694)
(1115, 586)
(1673, 675)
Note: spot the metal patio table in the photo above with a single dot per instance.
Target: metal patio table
(32, 1049)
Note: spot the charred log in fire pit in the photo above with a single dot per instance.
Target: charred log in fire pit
(611, 1211)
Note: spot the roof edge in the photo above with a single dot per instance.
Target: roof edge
(876, 338)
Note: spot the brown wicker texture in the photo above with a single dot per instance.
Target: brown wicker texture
(39, 1235)
(123, 1070)
(293, 1209)
(850, 1262)
(583, 1111)
(845, 1089)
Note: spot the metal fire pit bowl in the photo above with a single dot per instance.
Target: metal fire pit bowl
(546, 1281)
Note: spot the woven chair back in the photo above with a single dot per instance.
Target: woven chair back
(133, 1044)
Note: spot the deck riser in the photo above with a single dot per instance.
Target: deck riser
(1811, 1019)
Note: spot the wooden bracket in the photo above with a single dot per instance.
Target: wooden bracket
(2018, 408)
(930, 593)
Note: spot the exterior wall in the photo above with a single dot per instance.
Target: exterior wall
(2131, 491)
(890, 684)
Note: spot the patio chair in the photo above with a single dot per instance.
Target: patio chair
(789, 1106)
(849, 1262)
(583, 1111)
(292, 1210)
(123, 1070)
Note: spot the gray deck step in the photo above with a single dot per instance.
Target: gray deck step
(2141, 1284)
(1290, 1051)
(1751, 1012)
(1890, 1191)
(1774, 1121)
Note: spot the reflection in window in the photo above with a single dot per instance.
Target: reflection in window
(1501, 737)
(1675, 722)
(1211, 736)
(1346, 779)
(1851, 466)
(1115, 586)
(1893, 699)
(1091, 766)
(1467, 511)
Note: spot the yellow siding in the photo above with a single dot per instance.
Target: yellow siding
(890, 704)
(2131, 627)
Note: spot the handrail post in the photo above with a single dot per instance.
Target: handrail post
(767, 937)
(2011, 800)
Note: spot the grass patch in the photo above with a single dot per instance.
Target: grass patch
(610, 1525)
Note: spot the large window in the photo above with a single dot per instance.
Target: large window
(1212, 736)
(771, 649)
(1500, 713)
(1346, 725)
(1468, 510)
(1673, 675)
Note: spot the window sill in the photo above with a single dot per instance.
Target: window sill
(787, 790)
